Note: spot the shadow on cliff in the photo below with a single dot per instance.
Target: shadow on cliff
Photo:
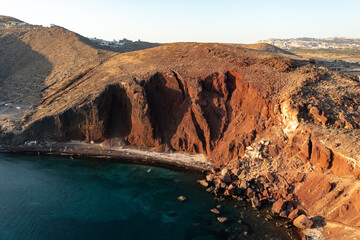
(168, 105)
(109, 116)
(214, 100)
(115, 111)
(22, 72)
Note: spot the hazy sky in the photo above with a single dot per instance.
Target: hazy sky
(193, 20)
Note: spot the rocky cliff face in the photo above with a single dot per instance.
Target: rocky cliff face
(203, 98)
(208, 98)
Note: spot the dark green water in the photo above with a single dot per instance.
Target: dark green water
(58, 198)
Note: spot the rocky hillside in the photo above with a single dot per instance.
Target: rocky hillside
(215, 99)
(34, 59)
(6, 20)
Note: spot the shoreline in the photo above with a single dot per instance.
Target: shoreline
(139, 155)
(129, 154)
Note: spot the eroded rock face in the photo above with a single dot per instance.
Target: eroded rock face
(170, 96)
(164, 109)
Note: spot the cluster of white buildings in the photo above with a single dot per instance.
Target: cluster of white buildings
(314, 43)
(109, 43)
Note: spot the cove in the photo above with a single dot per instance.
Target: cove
(46, 197)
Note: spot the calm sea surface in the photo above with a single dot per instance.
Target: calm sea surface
(44, 198)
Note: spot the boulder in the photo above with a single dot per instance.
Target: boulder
(219, 183)
(290, 197)
(237, 172)
(224, 171)
(303, 222)
(214, 170)
(291, 205)
(203, 183)
(255, 203)
(243, 184)
(227, 179)
(279, 206)
(230, 191)
(223, 185)
(270, 177)
(266, 194)
(222, 219)
(214, 210)
(250, 192)
(210, 177)
(210, 189)
(182, 198)
(243, 174)
(295, 213)
(284, 214)
(216, 191)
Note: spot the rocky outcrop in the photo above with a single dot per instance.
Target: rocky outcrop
(142, 113)
(273, 114)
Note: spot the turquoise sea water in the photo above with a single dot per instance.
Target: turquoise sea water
(59, 198)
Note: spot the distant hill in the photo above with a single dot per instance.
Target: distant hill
(265, 47)
(35, 59)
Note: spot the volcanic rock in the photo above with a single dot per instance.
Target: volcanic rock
(225, 171)
(270, 177)
(303, 222)
(222, 219)
(182, 198)
(203, 183)
(255, 202)
(295, 213)
(226, 178)
(210, 177)
(278, 206)
(214, 210)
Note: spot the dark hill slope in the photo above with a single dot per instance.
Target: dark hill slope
(35, 58)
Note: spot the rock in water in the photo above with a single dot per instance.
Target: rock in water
(210, 189)
(214, 210)
(222, 219)
(210, 177)
(203, 183)
(182, 198)
(255, 203)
